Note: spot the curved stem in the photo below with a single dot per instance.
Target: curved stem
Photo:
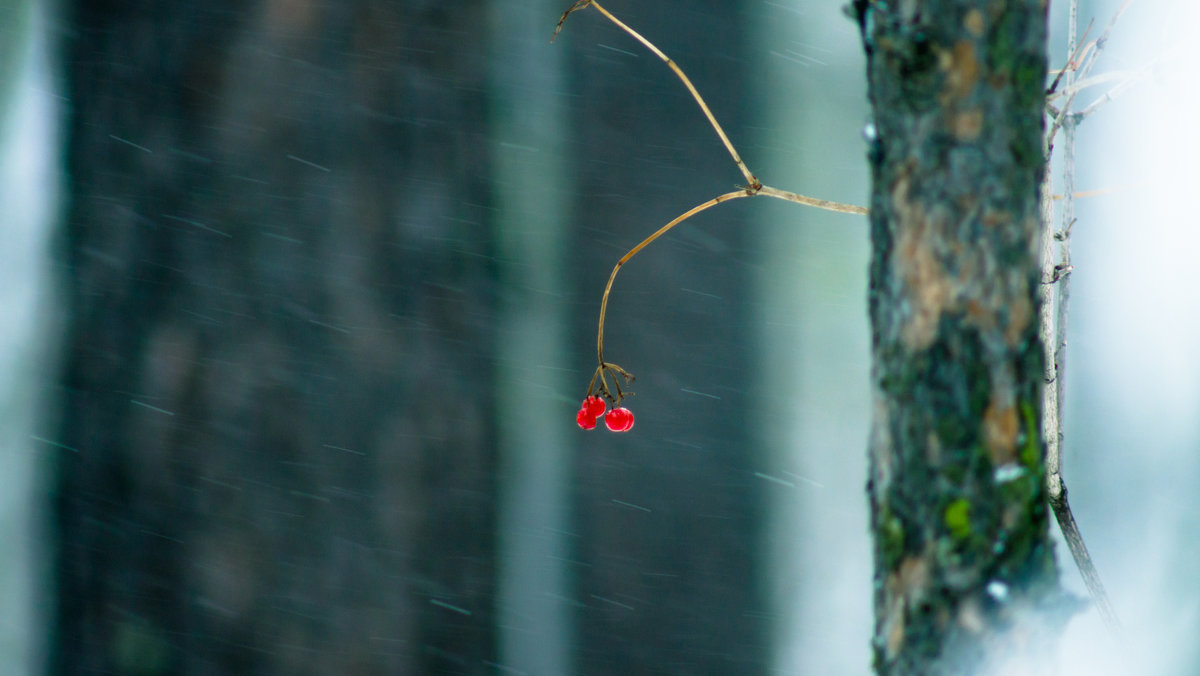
(644, 243)
(751, 179)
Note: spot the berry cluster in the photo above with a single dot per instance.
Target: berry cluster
(600, 395)
(619, 419)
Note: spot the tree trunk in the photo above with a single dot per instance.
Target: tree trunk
(965, 577)
(278, 387)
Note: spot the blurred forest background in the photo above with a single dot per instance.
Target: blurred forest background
(300, 300)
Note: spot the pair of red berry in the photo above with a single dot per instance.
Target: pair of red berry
(620, 419)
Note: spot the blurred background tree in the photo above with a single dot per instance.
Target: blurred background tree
(281, 341)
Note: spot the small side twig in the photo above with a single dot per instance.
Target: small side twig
(1109, 95)
(1077, 71)
(1082, 84)
(1072, 64)
(1101, 42)
(1133, 78)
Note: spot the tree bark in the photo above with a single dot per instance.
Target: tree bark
(965, 577)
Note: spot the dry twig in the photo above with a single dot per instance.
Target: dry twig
(1056, 293)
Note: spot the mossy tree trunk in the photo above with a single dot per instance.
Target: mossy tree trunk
(965, 577)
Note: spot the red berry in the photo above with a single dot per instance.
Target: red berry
(594, 406)
(585, 420)
(619, 419)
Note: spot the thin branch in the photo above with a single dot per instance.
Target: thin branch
(1072, 63)
(1132, 78)
(646, 242)
(1102, 41)
(751, 180)
(1049, 328)
(1079, 552)
(1108, 96)
(1136, 77)
(1056, 486)
(1046, 334)
(1057, 123)
(1080, 194)
(764, 190)
(840, 207)
(1080, 85)
(1080, 70)
(1068, 217)
(1055, 294)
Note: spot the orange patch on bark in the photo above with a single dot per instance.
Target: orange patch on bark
(927, 286)
(907, 587)
(1000, 429)
(1020, 313)
(962, 71)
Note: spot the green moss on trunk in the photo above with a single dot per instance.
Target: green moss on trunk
(962, 552)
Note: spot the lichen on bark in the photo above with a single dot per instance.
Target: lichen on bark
(964, 563)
